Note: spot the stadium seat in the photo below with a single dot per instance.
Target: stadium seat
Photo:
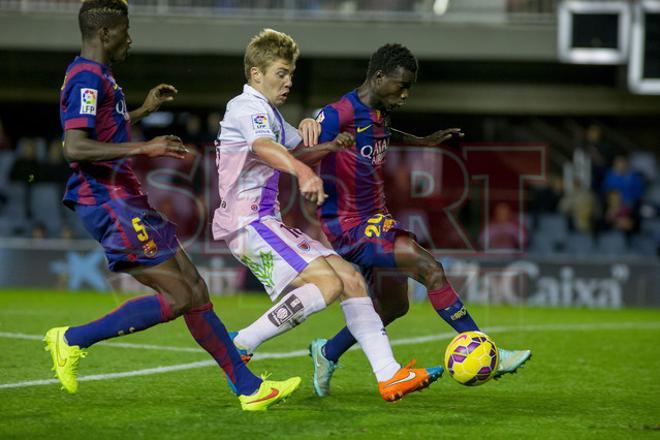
(6, 226)
(644, 245)
(651, 227)
(6, 161)
(644, 162)
(46, 207)
(579, 244)
(612, 243)
(541, 245)
(16, 208)
(554, 227)
(652, 195)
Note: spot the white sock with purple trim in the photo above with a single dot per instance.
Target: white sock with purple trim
(287, 313)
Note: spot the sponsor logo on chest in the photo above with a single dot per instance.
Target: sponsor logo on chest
(376, 152)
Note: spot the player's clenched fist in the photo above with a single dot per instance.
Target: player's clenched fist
(311, 187)
(158, 95)
(168, 145)
(343, 141)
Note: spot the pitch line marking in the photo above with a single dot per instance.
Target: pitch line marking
(302, 353)
(400, 341)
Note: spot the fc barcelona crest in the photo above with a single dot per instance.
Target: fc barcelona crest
(150, 249)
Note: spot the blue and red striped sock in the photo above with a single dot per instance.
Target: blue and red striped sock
(450, 308)
(134, 315)
(211, 334)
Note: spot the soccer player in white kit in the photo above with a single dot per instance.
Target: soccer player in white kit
(301, 275)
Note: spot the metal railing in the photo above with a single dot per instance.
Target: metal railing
(526, 11)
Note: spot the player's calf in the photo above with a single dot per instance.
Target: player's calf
(313, 289)
(442, 295)
(292, 309)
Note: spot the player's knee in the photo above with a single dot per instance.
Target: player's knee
(391, 311)
(200, 293)
(354, 285)
(331, 287)
(177, 305)
(183, 297)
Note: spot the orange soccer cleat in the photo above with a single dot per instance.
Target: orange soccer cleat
(407, 380)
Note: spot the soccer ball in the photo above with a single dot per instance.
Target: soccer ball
(472, 358)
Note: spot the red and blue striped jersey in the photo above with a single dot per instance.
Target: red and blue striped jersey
(91, 99)
(353, 178)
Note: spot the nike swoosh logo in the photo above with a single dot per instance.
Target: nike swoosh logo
(57, 353)
(361, 129)
(411, 376)
(273, 393)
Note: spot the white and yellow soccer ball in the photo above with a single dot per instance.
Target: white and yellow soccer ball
(472, 358)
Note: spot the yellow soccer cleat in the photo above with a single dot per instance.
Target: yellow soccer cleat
(269, 393)
(65, 358)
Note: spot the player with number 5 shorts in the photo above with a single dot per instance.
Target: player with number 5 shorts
(107, 198)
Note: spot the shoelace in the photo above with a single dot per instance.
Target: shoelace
(411, 364)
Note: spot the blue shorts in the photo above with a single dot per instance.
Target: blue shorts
(370, 245)
(131, 232)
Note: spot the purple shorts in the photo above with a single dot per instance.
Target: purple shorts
(370, 245)
(131, 232)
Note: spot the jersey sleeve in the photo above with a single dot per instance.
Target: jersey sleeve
(292, 136)
(254, 121)
(328, 117)
(82, 95)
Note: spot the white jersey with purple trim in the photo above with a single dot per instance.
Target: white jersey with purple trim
(248, 186)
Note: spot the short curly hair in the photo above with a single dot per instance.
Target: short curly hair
(390, 57)
(96, 14)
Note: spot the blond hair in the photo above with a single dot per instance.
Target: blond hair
(267, 47)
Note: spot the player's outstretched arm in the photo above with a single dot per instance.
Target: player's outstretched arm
(432, 140)
(278, 157)
(78, 147)
(157, 96)
(313, 155)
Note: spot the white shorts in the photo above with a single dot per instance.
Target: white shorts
(274, 252)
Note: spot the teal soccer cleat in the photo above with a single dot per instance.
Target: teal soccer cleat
(323, 368)
(435, 373)
(511, 360)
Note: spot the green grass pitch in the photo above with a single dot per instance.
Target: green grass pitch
(594, 374)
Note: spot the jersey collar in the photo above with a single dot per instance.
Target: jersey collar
(252, 91)
(353, 96)
(80, 58)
